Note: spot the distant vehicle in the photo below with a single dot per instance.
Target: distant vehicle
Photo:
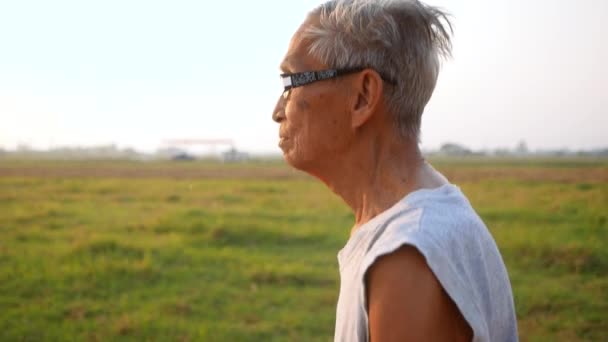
(234, 156)
(182, 156)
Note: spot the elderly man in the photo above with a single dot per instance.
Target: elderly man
(420, 265)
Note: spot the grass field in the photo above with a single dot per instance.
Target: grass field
(100, 251)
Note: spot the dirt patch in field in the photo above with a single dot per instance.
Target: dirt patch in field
(562, 175)
(456, 174)
(175, 172)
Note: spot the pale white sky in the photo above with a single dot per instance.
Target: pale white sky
(138, 72)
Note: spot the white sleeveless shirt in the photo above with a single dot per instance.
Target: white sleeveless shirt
(441, 224)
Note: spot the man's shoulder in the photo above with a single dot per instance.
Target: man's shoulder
(441, 214)
(449, 215)
(438, 222)
(456, 246)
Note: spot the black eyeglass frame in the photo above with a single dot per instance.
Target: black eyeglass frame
(298, 79)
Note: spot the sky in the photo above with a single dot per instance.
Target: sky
(136, 73)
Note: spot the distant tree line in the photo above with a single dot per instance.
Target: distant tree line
(520, 150)
(114, 152)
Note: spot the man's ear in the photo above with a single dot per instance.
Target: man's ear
(369, 95)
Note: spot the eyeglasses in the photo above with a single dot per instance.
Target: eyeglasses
(299, 79)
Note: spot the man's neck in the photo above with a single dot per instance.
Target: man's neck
(383, 170)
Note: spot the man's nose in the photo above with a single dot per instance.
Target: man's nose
(278, 114)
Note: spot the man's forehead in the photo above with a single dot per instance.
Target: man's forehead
(286, 63)
(297, 52)
(291, 59)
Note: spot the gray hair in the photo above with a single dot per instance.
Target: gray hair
(403, 40)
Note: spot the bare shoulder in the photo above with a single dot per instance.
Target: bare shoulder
(406, 302)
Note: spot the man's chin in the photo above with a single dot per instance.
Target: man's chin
(290, 159)
(295, 160)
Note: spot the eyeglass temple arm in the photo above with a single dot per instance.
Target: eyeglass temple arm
(306, 77)
(303, 78)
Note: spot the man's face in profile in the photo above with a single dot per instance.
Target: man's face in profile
(314, 122)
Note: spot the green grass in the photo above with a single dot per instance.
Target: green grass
(254, 258)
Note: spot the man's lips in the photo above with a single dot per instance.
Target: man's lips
(282, 140)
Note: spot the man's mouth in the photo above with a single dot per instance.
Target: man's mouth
(282, 140)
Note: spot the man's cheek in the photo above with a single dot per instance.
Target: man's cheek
(302, 105)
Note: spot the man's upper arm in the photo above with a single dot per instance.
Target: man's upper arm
(406, 302)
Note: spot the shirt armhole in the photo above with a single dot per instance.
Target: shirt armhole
(453, 284)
